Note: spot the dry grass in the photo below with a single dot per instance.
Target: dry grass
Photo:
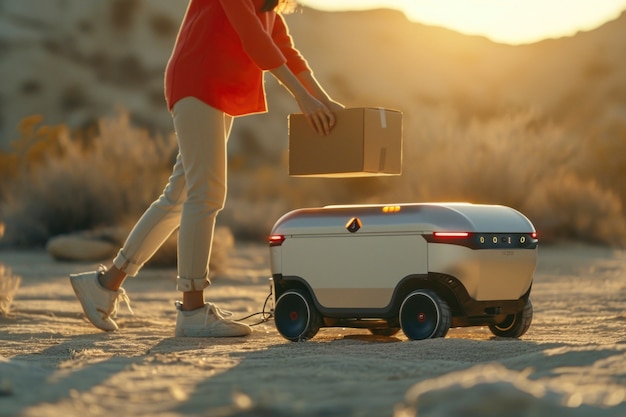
(9, 285)
(519, 159)
(107, 179)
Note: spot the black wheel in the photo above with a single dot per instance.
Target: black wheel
(389, 331)
(514, 325)
(295, 316)
(423, 315)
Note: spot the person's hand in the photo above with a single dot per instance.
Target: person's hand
(304, 88)
(319, 116)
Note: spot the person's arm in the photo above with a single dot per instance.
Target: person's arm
(304, 89)
(296, 76)
(268, 52)
(256, 41)
(315, 89)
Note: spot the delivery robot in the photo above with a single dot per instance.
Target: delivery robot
(420, 268)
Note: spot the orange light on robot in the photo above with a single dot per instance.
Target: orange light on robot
(391, 209)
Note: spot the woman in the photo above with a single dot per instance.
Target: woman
(214, 74)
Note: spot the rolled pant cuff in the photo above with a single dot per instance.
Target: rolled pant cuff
(126, 265)
(192, 284)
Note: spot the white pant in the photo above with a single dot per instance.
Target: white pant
(195, 193)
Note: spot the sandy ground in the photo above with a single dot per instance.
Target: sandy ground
(572, 362)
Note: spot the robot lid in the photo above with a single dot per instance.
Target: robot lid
(403, 218)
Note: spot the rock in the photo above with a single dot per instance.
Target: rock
(79, 248)
(103, 245)
(90, 246)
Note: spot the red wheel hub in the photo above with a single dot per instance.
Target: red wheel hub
(421, 317)
(293, 316)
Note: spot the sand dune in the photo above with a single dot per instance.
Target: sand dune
(572, 362)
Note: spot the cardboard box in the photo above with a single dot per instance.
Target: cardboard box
(364, 142)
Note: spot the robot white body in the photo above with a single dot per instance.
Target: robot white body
(456, 264)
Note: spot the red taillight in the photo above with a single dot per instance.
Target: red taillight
(533, 235)
(451, 234)
(276, 240)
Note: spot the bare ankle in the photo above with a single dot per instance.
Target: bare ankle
(112, 279)
(192, 300)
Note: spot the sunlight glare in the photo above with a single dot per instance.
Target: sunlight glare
(507, 21)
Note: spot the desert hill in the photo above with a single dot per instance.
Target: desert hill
(380, 57)
(73, 62)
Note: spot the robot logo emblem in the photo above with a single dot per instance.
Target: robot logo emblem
(353, 225)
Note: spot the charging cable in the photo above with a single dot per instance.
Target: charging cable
(267, 313)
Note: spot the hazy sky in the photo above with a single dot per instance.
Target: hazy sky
(509, 21)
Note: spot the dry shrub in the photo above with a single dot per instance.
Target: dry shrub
(601, 153)
(221, 251)
(495, 161)
(35, 144)
(518, 159)
(108, 181)
(9, 285)
(258, 197)
(567, 207)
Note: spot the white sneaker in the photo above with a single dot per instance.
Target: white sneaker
(99, 304)
(208, 321)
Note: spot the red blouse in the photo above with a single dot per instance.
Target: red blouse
(221, 51)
